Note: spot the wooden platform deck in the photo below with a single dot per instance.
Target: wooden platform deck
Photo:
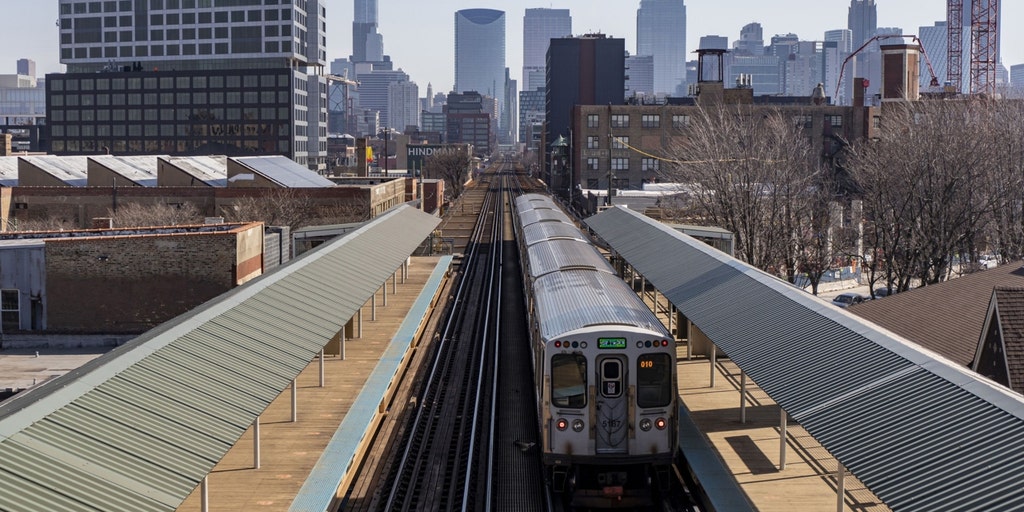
(751, 450)
(288, 451)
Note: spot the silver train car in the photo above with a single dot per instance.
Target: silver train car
(604, 366)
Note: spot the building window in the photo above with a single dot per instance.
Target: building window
(592, 183)
(592, 164)
(834, 120)
(593, 142)
(620, 142)
(620, 164)
(680, 121)
(593, 121)
(803, 121)
(620, 121)
(620, 183)
(650, 164)
(650, 121)
(10, 310)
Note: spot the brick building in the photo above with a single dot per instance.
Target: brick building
(121, 280)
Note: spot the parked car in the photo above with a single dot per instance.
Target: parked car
(845, 300)
(884, 291)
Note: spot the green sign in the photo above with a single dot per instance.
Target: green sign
(611, 343)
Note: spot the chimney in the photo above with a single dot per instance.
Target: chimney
(901, 69)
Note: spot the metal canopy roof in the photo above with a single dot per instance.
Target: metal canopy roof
(73, 170)
(920, 431)
(140, 427)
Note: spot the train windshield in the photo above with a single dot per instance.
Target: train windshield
(654, 380)
(569, 380)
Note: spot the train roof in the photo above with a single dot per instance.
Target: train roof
(536, 215)
(541, 231)
(574, 299)
(531, 201)
(555, 255)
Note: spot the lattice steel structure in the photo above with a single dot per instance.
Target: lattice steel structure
(955, 43)
(984, 45)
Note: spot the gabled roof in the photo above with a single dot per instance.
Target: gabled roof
(211, 170)
(73, 170)
(284, 171)
(140, 170)
(921, 432)
(1011, 321)
(947, 317)
(1000, 354)
(141, 426)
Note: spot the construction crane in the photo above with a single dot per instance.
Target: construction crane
(984, 44)
(934, 82)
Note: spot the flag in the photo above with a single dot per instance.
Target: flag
(369, 154)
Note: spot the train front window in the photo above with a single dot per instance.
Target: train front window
(654, 380)
(569, 380)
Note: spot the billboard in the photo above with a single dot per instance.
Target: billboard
(418, 153)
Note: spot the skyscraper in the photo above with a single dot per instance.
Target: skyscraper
(862, 21)
(539, 27)
(191, 80)
(751, 41)
(588, 70)
(480, 52)
(367, 44)
(27, 67)
(480, 56)
(661, 33)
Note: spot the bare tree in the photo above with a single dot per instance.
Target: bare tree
(452, 166)
(755, 174)
(931, 186)
(159, 214)
(279, 207)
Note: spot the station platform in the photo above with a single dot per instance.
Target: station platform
(729, 456)
(289, 451)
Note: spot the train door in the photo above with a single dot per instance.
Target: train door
(612, 406)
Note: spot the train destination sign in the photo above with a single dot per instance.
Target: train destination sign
(611, 343)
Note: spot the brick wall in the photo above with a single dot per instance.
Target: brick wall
(130, 284)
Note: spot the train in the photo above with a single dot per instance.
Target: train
(604, 367)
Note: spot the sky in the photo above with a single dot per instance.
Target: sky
(419, 35)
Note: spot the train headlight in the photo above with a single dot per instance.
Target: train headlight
(660, 423)
(577, 425)
(561, 424)
(583, 344)
(558, 344)
(645, 424)
(639, 344)
(664, 343)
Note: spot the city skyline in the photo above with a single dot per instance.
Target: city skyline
(421, 41)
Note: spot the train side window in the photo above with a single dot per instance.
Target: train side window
(654, 380)
(569, 380)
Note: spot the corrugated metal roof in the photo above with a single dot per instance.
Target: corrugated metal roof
(138, 428)
(920, 431)
(284, 171)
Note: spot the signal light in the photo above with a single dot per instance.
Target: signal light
(558, 344)
(561, 424)
(645, 424)
(577, 425)
(664, 343)
(660, 423)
